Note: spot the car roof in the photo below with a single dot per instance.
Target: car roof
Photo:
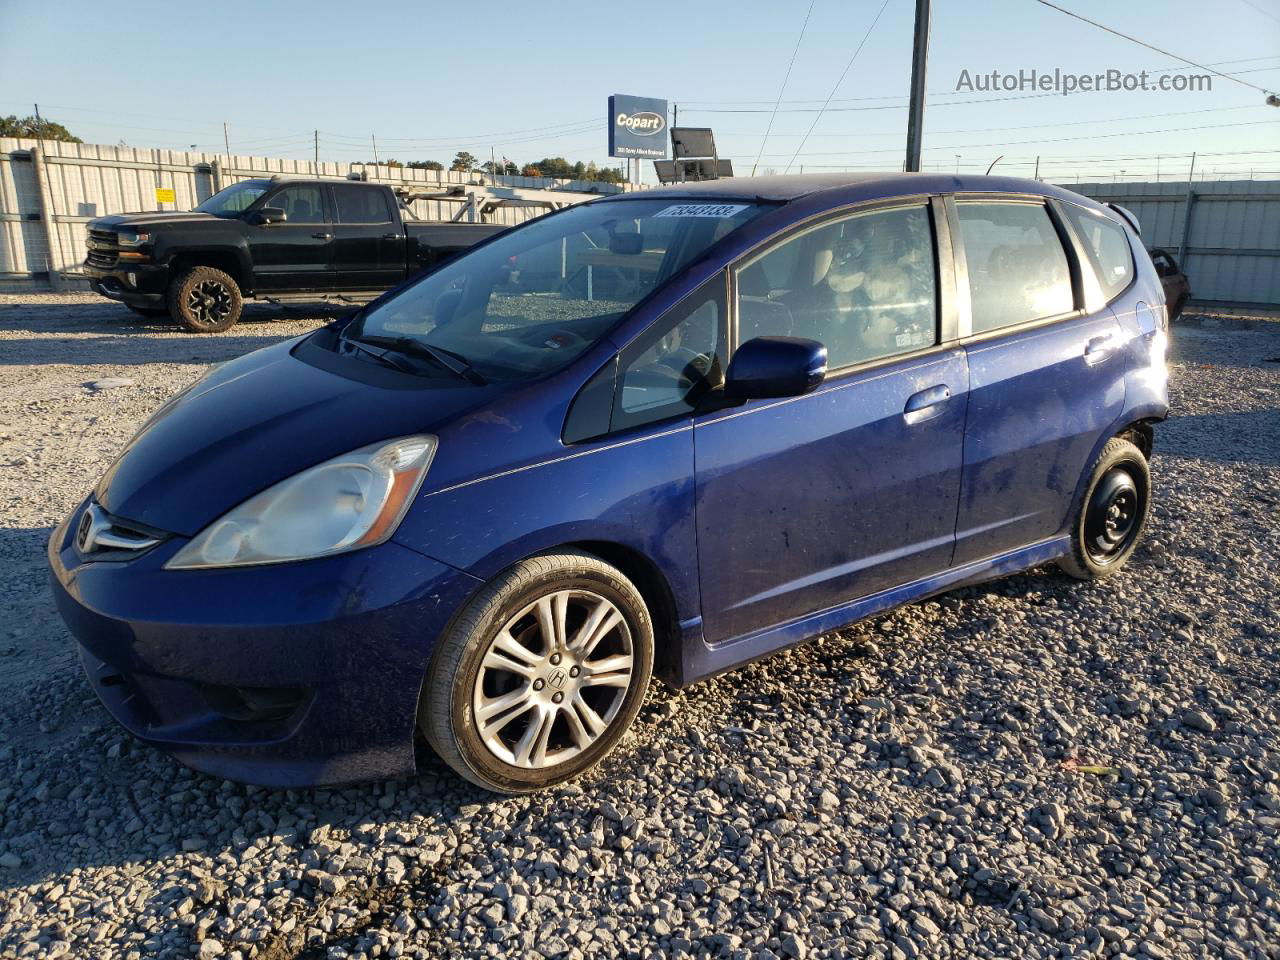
(846, 186)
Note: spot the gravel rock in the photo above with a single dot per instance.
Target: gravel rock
(932, 783)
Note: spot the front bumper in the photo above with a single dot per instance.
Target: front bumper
(135, 284)
(293, 674)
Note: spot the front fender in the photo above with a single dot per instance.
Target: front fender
(637, 493)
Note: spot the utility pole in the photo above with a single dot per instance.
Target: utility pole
(39, 124)
(919, 61)
(226, 142)
(374, 140)
(1037, 175)
(317, 151)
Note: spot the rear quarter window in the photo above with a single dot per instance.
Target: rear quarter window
(1107, 246)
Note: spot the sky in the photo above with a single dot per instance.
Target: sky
(532, 80)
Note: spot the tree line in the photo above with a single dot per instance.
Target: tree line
(464, 162)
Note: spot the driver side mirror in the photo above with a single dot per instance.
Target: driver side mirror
(775, 367)
(269, 215)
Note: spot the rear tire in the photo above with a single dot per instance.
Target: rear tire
(540, 675)
(1112, 515)
(205, 300)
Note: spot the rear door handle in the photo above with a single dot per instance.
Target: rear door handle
(926, 404)
(1099, 348)
(322, 236)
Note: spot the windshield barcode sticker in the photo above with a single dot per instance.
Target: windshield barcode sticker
(717, 210)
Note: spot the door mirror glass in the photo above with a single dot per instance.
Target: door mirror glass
(268, 215)
(775, 367)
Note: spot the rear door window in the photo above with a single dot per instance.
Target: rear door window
(1107, 246)
(361, 204)
(1018, 269)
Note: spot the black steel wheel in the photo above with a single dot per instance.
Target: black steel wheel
(1113, 513)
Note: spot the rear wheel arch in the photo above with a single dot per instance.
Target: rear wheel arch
(1141, 434)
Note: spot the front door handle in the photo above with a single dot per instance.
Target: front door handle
(1099, 349)
(391, 236)
(322, 236)
(926, 404)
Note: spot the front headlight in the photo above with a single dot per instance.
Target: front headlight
(132, 238)
(352, 501)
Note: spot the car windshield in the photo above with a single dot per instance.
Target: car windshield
(235, 199)
(533, 299)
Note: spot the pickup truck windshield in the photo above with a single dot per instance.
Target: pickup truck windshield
(235, 199)
(532, 300)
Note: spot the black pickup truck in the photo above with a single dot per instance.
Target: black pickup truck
(278, 239)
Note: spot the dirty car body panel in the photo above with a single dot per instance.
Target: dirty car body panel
(954, 455)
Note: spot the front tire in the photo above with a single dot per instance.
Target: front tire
(205, 300)
(540, 675)
(1112, 516)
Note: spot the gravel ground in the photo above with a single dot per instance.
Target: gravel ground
(1030, 768)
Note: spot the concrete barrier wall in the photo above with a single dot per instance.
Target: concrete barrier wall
(49, 190)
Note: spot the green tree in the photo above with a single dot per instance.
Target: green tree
(31, 128)
(426, 165)
(463, 162)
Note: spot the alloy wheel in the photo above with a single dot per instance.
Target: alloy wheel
(209, 302)
(553, 679)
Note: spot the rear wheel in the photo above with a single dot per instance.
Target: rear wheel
(205, 300)
(541, 675)
(1113, 513)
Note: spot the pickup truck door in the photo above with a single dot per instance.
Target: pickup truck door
(369, 242)
(295, 256)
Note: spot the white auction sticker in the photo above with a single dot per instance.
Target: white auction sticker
(717, 210)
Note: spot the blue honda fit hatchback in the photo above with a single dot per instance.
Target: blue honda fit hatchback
(665, 432)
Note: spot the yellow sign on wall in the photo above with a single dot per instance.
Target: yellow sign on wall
(165, 195)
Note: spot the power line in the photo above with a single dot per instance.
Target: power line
(843, 74)
(1143, 43)
(1027, 126)
(1265, 13)
(1013, 143)
(693, 104)
(783, 88)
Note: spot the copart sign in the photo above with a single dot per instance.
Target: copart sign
(637, 127)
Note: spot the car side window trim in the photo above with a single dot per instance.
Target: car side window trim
(964, 291)
(1082, 255)
(946, 308)
(582, 426)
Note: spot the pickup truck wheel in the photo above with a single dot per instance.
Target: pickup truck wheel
(540, 675)
(1113, 514)
(205, 300)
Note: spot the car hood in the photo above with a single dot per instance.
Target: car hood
(150, 219)
(254, 421)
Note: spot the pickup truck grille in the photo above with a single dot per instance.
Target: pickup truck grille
(103, 248)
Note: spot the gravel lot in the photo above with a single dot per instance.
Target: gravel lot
(1033, 767)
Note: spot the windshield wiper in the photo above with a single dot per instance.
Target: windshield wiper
(388, 357)
(455, 363)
